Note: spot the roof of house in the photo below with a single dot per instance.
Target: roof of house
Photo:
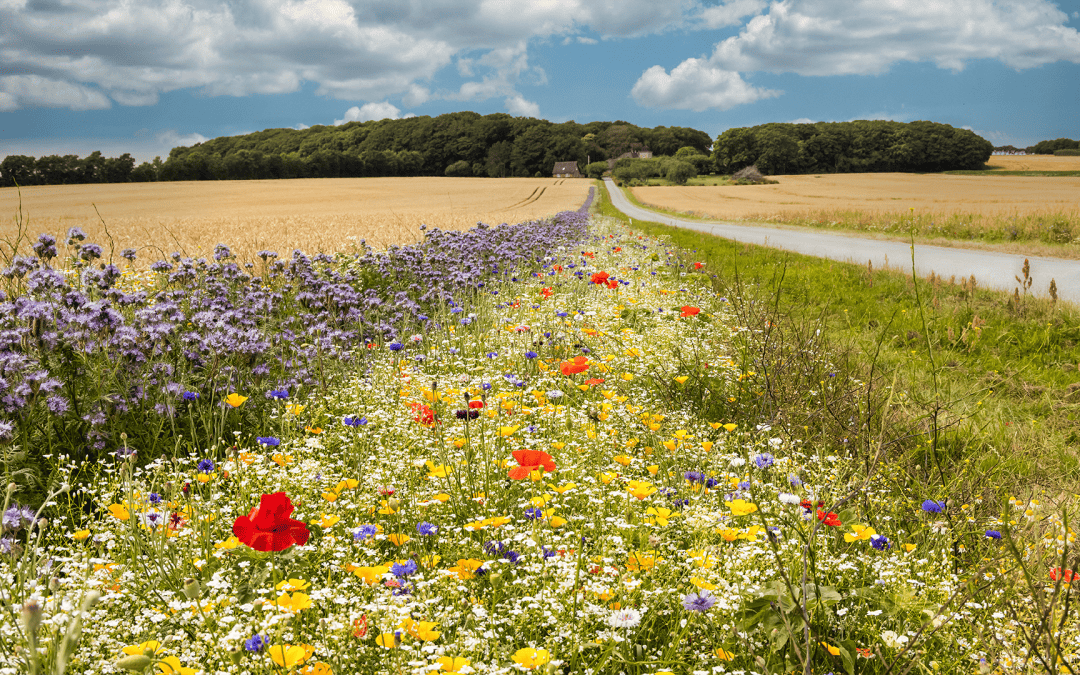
(565, 167)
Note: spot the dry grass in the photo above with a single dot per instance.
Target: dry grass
(314, 215)
(1034, 163)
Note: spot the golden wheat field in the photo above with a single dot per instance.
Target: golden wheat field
(1034, 163)
(314, 215)
(873, 193)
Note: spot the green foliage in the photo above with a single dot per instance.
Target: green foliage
(459, 169)
(596, 169)
(1067, 152)
(840, 147)
(679, 171)
(1051, 147)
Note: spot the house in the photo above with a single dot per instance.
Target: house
(566, 170)
(636, 154)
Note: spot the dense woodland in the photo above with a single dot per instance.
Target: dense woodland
(455, 144)
(850, 147)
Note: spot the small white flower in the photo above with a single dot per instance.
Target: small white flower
(554, 394)
(737, 461)
(892, 640)
(788, 498)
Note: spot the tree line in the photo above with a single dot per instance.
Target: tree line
(850, 147)
(460, 144)
(1052, 147)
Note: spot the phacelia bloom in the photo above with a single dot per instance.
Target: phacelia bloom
(932, 506)
(269, 441)
(426, 529)
(529, 461)
(689, 310)
(698, 602)
(269, 527)
(764, 460)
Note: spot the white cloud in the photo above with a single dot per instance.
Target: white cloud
(370, 111)
(695, 85)
(172, 139)
(132, 52)
(730, 13)
(519, 107)
(843, 37)
(24, 91)
(301, 126)
(144, 145)
(802, 120)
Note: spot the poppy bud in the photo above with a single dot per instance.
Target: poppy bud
(192, 589)
(136, 663)
(235, 654)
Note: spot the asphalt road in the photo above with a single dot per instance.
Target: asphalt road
(991, 270)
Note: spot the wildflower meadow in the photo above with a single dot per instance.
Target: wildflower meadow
(539, 447)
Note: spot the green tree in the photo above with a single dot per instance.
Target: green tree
(459, 169)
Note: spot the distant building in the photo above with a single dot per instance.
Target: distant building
(566, 170)
(636, 154)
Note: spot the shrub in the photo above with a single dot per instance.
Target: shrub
(750, 174)
(677, 171)
(1067, 153)
(459, 169)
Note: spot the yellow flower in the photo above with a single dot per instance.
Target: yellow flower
(288, 656)
(228, 544)
(282, 460)
(171, 664)
(608, 476)
(908, 548)
(557, 521)
(622, 459)
(421, 630)
(294, 603)
(724, 656)
(640, 488)
(327, 521)
(508, 431)
(728, 534)
(330, 496)
(371, 575)
(660, 515)
(702, 584)
(562, 489)
(558, 445)
(460, 442)
(627, 376)
(671, 444)
(706, 446)
(652, 469)
(348, 483)
(313, 430)
(731, 427)
(540, 500)
(451, 664)
(741, 508)
(293, 585)
(119, 512)
(441, 471)
(151, 646)
(682, 379)
(466, 568)
(317, 668)
(398, 539)
(235, 400)
(80, 535)
(529, 658)
(701, 558)
(859, 533)
(294, 408)
(389, 640)
(386, 509)
(714, 425)
(441, 497)
(203, 478)
(835, 651)
(640, 562)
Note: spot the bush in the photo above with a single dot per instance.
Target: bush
(596, 169)
(459, 169)
(749, 174)
(1067, 153)
(677, 171)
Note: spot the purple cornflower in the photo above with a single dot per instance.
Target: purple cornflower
(269, 441)
(395, 346)
(531, 354)
(426, 529)
(993, 534)
(402, 570)
(205, 466)
(365, 532)
(932, 506)
(880, 543)
(154, 498)
(280, 394)
(533, 513)
(694, 476)
(256, 643)
(353, 421)
(764, 460)
(190, 396)
(698, 602)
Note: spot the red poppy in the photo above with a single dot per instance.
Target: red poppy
(268, 526)
(588, 254)
(476, 404)
(599, 277)
(699, 265)
(690, 310)
(612, 283)
(557, 268)
(830, 518)
(529, 461)
(1066, 576)
(594, 380)
(546, 291)
(578, 365)
(422, 414)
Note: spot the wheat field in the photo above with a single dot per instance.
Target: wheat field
(313, 215)
(1034, 163)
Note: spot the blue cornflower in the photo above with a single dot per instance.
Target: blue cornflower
(764, 460)
(422, 317)
(492, 355)
(698, 602)
(547, 552)
(154, 498)
(879, 542)
(993, 534)
(932, 506)
(711, 482)
(794, 480)
(402, 570)
(190, 396)
(512, 557)
(395, 346)
(426, 529)
(365, 532)
(744, 485)
(694, 476)
(268, 441)
(206, 466)
(533, 513)
(280, 394)
(256, 643)
(485, 386)
(561, 314)
(531, 354)
(350, 421)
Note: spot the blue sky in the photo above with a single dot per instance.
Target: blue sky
(143, 77)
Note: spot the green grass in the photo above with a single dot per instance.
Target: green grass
(995, 372)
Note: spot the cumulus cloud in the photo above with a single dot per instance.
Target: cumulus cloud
(518, 106)
(370, 111)
(695, 85)
(730, 13)
(132, 52)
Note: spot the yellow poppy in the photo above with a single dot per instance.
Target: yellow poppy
(235, 400)
(529, 658)
(288, 656)
(398, 539)
(80, 535)
(740, 507)
(119, 512)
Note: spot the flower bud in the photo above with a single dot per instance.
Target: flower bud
(394, 503)
(54, 584)
(235, 655)
(31, 616)
(136, 663)
(192, 589)
(90, 599)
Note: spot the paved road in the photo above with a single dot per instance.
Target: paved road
(991, 270)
